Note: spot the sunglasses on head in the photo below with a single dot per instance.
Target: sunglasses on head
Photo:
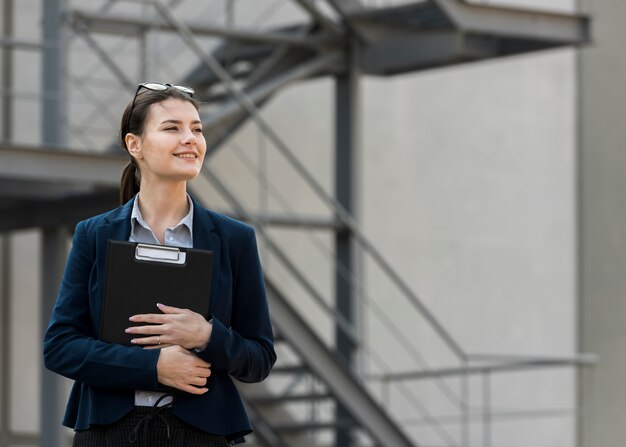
(157, 87)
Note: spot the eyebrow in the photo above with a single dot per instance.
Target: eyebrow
(180, 122)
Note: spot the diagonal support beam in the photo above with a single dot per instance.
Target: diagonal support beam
(137, 26)
(325, 22)
(233, 111)
(336, 376)
(83, 31)
(344, 9)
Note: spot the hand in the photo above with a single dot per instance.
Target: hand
(180, 369)
(174, 326)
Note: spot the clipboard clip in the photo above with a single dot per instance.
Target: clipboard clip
(160, 253)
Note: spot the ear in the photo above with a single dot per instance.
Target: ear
(133, 144)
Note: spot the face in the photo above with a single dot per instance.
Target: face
(172, 147)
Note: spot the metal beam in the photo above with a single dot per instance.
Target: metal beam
(123, 25)
(233, 111)
(54, 248)
(402, 52)
(54, 129)
(105, 58)
(5, 340)
(60, 166)
(569, 29)
(347, 174)
(55, 213)
(276, 220)
(54, 132)
(324, 21)
(305, 70)
(6, 128)
(344, 8)
(20, 44)
(579, 361)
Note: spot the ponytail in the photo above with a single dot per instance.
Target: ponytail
(129, 183)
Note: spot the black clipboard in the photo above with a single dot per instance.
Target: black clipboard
(138, 276)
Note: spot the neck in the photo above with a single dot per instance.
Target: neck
(163, 204)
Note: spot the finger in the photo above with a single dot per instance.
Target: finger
(145, 330)
(194, 390)
(149, 318)
(172, 310)
(203, 372)
(145, 341)
(199, 363)
(198, 381)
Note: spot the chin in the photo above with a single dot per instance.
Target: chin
(192, 174)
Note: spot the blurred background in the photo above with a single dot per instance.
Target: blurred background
(437, 188)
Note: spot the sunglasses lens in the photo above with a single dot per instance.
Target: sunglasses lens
(187, 90)
(154, 86)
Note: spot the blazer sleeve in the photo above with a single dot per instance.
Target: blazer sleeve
(71, 346)
(245, 350)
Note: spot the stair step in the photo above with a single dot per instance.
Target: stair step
(278, 400)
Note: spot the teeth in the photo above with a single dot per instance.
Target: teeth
(186, 156)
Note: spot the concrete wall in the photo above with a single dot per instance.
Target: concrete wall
(603, 217)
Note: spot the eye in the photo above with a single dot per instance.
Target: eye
(171, 128)
(198, 130)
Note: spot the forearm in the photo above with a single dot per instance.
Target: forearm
(246, 359)
(100, 364)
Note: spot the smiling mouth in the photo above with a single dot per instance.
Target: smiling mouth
(186, 156)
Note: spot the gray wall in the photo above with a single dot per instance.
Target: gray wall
(603, 216)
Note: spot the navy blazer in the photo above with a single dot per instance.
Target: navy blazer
(107, 375)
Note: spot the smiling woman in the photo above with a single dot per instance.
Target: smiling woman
(118, 390)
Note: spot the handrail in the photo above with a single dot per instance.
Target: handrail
(582, 360)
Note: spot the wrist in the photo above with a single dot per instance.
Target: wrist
(206, 335)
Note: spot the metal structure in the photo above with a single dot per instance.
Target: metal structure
(52, 188)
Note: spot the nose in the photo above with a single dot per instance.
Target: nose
(189, 138)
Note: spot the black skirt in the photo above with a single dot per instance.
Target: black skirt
(146, 426)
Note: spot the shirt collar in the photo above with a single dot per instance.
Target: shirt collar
(136, 217)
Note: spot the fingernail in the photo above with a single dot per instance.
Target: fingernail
(127, 330)
(133, 341)
(132, 318)
(159, 305)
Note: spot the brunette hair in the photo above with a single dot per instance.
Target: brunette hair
(145, 98)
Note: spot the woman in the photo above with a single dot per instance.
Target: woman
(119, 394)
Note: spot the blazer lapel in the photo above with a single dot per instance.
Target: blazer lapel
(206, 238)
